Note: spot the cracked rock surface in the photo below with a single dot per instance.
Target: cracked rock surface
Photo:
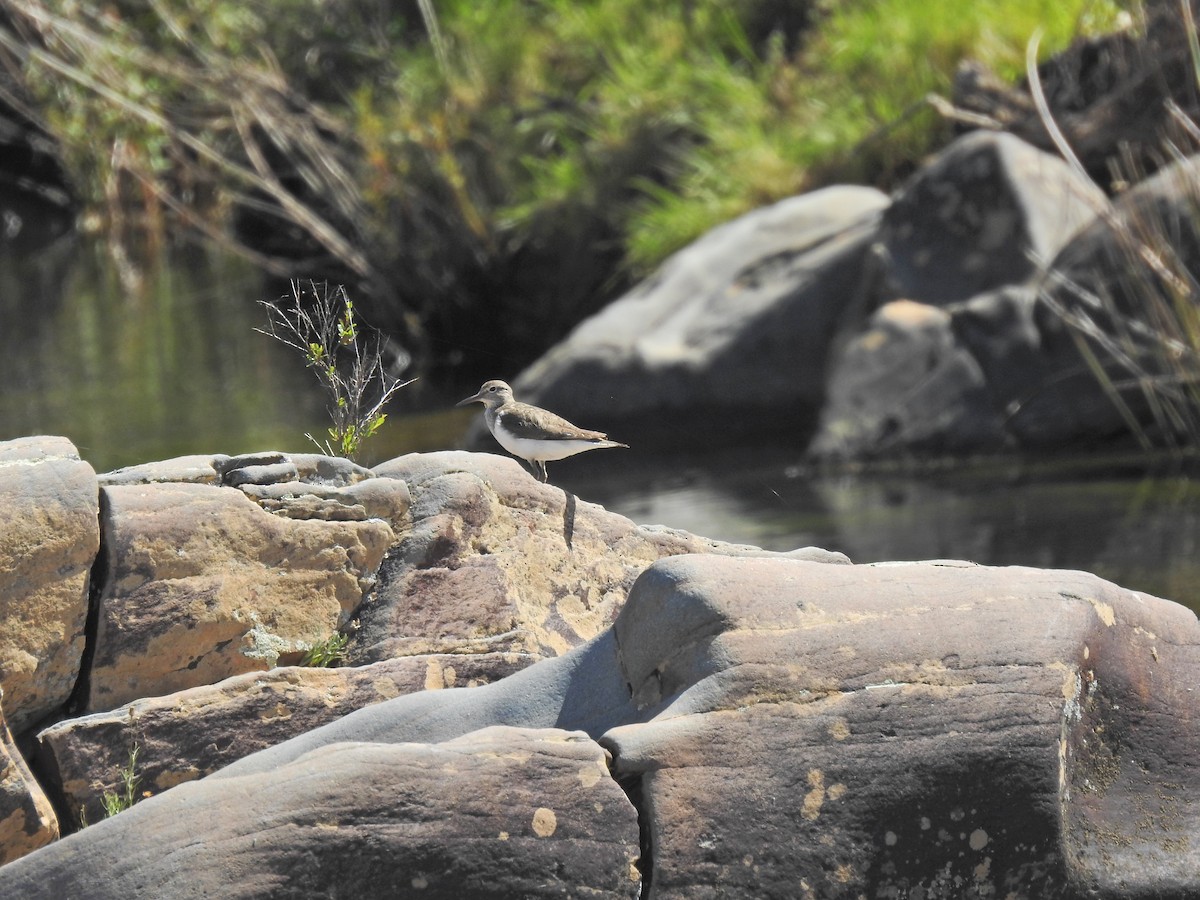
(202, 583)
(722, 722)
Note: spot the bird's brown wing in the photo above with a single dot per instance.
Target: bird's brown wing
(524, 421)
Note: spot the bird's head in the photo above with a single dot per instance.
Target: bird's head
(491, 395)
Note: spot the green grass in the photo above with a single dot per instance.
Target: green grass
(510, 161)
(127, 793)
(327, 653)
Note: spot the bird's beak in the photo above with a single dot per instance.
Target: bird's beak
(472, 399)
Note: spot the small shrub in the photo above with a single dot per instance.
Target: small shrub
(126, 795)
(323, 327)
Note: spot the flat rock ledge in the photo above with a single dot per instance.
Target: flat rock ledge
(605, 709)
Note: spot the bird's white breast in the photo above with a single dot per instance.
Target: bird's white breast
(544, 450)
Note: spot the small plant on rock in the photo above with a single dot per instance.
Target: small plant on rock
(324, 328)
(129, 780)
(327, 653)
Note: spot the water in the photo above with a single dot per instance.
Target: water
(140, 364)
(1102, 515)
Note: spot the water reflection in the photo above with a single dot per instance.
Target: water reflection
(157, 363)
(1137, 530)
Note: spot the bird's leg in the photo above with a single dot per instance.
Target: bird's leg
(541, 467)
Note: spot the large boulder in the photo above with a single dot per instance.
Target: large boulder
(910, 730)
(501, 813)
(27, 820)
(201, 582)
(739, 323)
(985, 212)
(187, 735)
(1126, 288)
(49, 537)
(497, 561)
(941, 729)
(1026, 356)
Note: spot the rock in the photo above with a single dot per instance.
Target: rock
(740, 322)
(192, 733)
(982, 215)
(27, 819)
(316, 468)
(1045, 391)
(201, 583)
(1044, 399)
(1127, 281)
(49, 538)
(194, 469)
(939, 729)
(226, 465)
(500, 813)
(374, 498)
(310, 468)
(273, 474)
(498, 561)
(906, 385)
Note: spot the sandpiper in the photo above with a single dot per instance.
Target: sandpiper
(534, 434)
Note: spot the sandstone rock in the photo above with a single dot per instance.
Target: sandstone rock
(933, 729)
(906, 385)
(49, 537)
(373, 498)
(936, 729)
(740, 321)
(316, 468)
(201, 584)
(27, 819)
(496, 560)
(194, 469)
(311, 468)
(983, 214)
(192, 733)
(501, 813)
(275, 473)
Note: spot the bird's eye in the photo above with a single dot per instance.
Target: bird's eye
(492, 389)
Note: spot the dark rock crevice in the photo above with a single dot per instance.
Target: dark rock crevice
(97, 580)
(632, 786)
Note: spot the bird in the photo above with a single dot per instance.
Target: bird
(534, 434)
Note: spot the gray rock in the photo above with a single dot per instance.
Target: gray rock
(316, 468)
(502, 813)
(906, 385)
(985, 213)
(195, 469)
(311, 468)
(740, 321)
(49, 537)
(275, 473)
(1122, 283)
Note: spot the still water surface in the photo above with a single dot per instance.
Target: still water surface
(140, 364)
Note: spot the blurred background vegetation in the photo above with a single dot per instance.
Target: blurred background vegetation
(487, 174)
